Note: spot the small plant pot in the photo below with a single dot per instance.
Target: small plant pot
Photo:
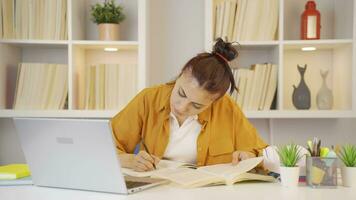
(289, 176)
(348, 176)
(109, 31)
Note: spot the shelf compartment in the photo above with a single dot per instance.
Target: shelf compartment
(336, 18)
(84, 29)
(335, 57)
(85, 55)
(14, 53)
(250, 53)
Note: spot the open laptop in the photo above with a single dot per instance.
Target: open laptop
(75, 154)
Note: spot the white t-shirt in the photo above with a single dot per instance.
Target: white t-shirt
(182, 144)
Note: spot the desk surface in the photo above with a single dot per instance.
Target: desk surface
(260, 191)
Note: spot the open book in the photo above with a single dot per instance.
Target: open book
(162, 165)
(228, 174)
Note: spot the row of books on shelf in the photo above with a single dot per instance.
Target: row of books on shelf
(33, 19)
(246, 20)
(41, 86)
(110, 86)
(256, 85)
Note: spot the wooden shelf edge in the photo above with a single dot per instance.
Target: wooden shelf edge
(328, 41)
(35, 42)
(300, 114)
(111, 113)
(57, 113)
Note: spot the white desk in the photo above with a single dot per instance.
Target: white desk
(241, 191)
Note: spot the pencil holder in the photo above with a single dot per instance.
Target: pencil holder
(321, 172)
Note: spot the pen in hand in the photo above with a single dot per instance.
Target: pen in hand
(146, 149)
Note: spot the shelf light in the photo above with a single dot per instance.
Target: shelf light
(308, 48)
(110, 49)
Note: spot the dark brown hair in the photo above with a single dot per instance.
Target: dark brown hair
(212, 70)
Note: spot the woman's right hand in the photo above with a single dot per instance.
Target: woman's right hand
(144, 162)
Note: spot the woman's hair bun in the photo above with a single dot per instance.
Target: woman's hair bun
(225, 49)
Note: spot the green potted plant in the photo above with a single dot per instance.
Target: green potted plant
(289, 155)
(108, 16)
(347, 155)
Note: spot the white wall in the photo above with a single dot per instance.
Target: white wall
(176, 33)
(330, 131)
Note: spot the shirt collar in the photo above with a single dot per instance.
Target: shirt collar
(204, 116)
(165, 97)
(195, 117)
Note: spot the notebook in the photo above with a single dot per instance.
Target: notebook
(21, 181)
(14, 171)
(163, 164)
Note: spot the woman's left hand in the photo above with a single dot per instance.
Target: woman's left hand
(237, 156)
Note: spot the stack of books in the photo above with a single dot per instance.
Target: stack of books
(33, 19)
(256, 86)
(41, 86)
(246, 20)
(110, 86)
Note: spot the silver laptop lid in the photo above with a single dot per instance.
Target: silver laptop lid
(71, 153)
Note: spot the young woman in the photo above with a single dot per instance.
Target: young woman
(190, 120)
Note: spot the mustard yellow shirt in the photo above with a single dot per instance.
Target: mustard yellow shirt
(224, 130)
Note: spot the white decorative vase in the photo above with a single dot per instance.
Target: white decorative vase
(348, 176)
(324, 98)
(109, 31)
(289, 176)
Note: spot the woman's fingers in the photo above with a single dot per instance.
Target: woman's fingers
(143, 161)
(148, 164)
(237, 156)
(137, 166)
(156, 159)
(146, 156)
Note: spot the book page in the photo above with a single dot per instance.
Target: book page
(131, 172)
(229, 171)
(271, 88)
(163, 164)
(265, 85)
(19, 83)
(187, 177)
(254, 176)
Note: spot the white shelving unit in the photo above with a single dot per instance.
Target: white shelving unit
(335, 52)
(81, 49)
(337, 39)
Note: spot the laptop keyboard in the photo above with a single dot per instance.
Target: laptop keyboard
(134, 184)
